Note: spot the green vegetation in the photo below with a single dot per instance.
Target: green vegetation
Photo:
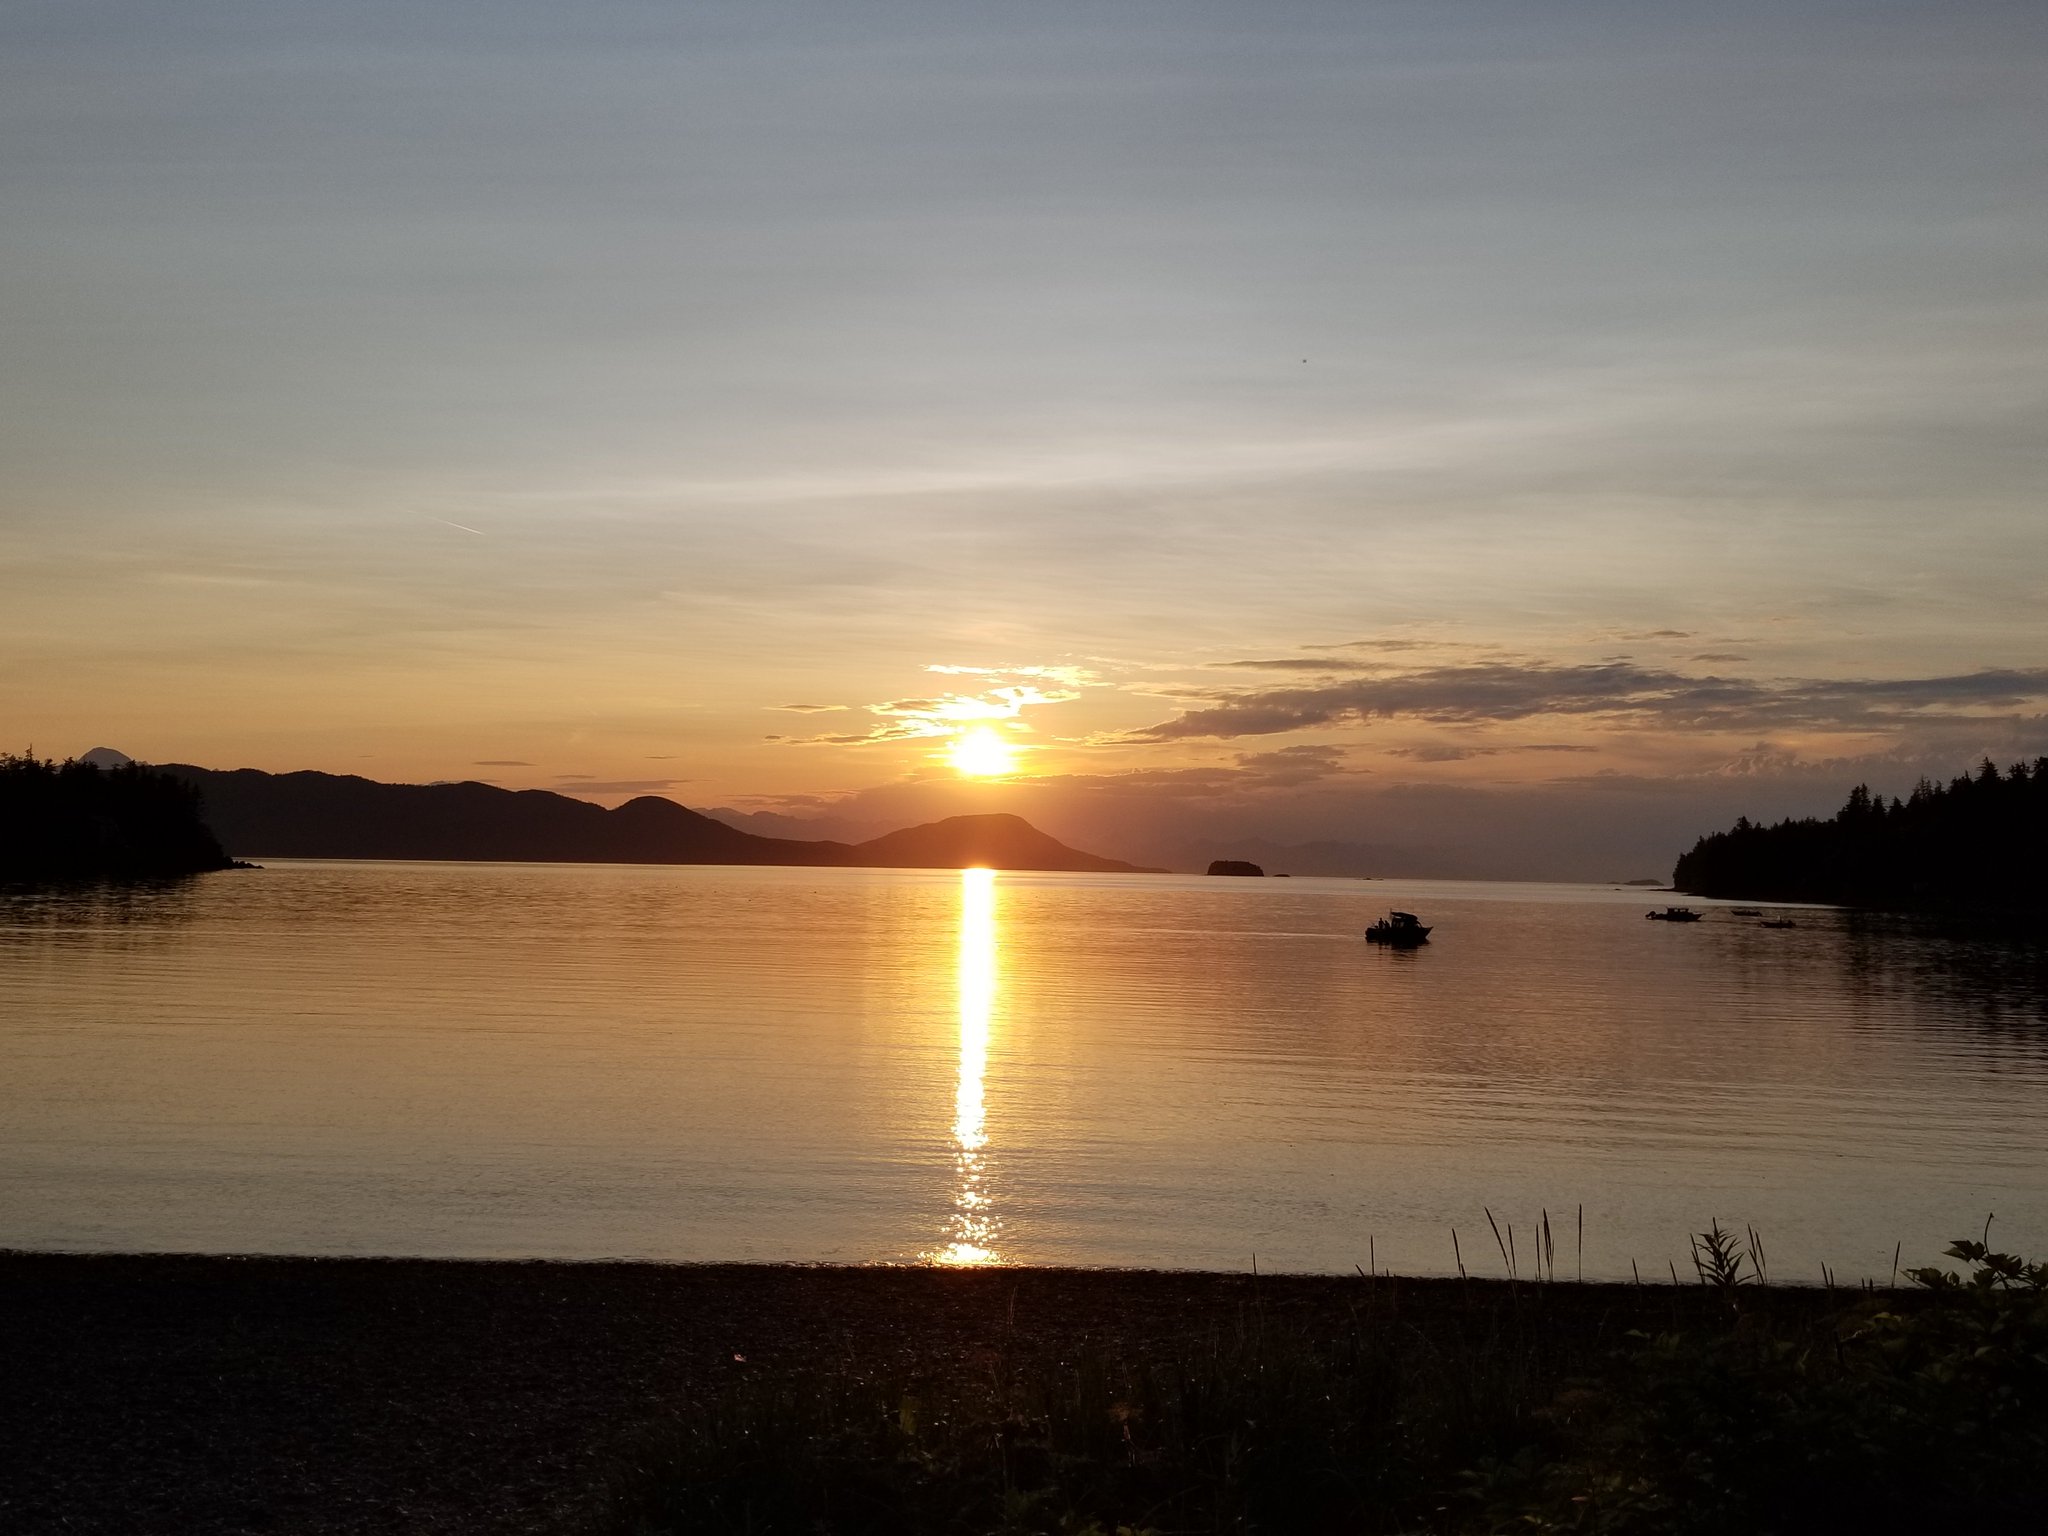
(73, 821)
(1723, 1406)
(1980, 841)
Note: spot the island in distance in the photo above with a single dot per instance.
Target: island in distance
(333, 816)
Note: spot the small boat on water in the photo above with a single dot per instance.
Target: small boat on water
(1402, 930)
(1674, 915)
(1745, 912)
(1778, 922)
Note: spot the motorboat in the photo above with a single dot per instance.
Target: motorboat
(1745, 912)
(1778, 922)
(1402, 930)
(1674, 915)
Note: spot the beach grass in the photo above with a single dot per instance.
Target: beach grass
(329, 1397)
(1721, 1405)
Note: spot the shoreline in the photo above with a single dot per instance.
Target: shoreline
(1356, 1276)
(242, 1394)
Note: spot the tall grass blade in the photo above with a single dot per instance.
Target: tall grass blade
(1500, 1242)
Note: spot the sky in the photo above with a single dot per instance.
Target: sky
(1446, 438)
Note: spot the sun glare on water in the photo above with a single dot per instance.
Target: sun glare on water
(982, 753)
(974, 1227)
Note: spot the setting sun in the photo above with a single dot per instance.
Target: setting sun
(982, 753)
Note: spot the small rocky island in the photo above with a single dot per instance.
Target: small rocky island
(1234, 867)
(76, 820)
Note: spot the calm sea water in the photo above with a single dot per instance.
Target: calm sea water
(696, 1063)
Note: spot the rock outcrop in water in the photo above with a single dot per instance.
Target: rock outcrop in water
(334, 816)
(78, 821)
(1234, 867)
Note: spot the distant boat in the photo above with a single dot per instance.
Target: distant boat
(1403, 930)
(1746, 911)
(1674, 915)
(1779, 922)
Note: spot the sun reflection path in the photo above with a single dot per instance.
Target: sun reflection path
(974, 1227)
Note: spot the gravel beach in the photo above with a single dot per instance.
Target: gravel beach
(199, 1394)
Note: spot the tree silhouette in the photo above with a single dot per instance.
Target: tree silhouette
(1978, 841)
(71, 820)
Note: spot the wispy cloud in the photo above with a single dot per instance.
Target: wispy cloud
(1384, 645)
(500, 762)
(1294, 765)
(1441, 752)
(1295, 664)
(1458, 752)
(1015, 690)
(1072, 677)
(1619, 691)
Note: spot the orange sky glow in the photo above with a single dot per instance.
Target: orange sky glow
(1181, 434)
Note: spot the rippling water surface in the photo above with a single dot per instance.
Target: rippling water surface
(695, 1063)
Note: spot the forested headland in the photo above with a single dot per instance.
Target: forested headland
(75, 821)
(1978, 842)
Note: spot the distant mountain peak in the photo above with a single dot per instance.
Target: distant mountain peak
(319, 815)
(995, 838)
(105, 757)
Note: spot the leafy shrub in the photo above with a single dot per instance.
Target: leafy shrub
(1893, 1416)
(1756, 1411)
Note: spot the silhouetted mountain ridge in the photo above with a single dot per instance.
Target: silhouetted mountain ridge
(997, 839)
(313, 815)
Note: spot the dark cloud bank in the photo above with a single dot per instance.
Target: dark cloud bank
(1618, 690)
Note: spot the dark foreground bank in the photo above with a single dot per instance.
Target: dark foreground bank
(272, 1395)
